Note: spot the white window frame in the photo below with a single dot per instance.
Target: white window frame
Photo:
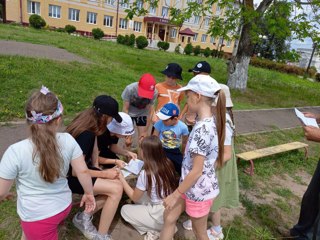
(220, 41)
(173, 33)
(212, 39)
(196, 19)
(195, 37)
(124, 4)
(109, 2)
(204, 38)
(74, 15)
(206, 22)
(165, 12)
(33, 7)
(228, 44)
(92, 17)
(137, 26)
(54, 11)
(139, 4)
(108, 21)
(123, 23)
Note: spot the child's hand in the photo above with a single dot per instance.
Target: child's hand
(309, 115)
(89, 201)
(9, 196)
(171, 200)
(112, 173)
(120, 163)
(131, 155)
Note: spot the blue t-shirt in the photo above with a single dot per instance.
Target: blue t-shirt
(171, 136)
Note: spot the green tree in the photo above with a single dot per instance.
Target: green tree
(241, 20)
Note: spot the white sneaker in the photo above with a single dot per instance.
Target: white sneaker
(213, 235)
(84, 224)
(152, 235)
(187, 225)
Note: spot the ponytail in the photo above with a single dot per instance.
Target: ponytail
(221, 125)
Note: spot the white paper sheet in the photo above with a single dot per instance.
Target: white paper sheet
(134, 166)
(306, 120)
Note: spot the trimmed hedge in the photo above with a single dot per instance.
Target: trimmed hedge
(142, 42)
(188, 49)
(70, 28)
(163, 45)
(97, 33)
(37, 21)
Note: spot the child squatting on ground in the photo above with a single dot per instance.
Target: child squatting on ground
(85, 128)
(154, 183)
(198, 183)
(40, 165)
(173, 134)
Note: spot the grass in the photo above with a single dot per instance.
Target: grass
(114, 66)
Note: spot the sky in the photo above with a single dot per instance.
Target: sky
(298, 44)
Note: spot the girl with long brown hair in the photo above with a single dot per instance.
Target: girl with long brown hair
(85, 128)
(204, 151)
(40, 165)
(157, 180)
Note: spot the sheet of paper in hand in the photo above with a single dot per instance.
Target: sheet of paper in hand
(134, 166)
(307, 121)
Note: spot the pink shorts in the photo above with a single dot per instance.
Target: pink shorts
(197, 209)
(45, 229)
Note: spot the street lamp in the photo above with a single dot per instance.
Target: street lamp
(263, 39)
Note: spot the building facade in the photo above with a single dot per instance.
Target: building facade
(305, 54)
(110, 16)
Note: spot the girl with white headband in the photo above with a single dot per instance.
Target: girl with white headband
(40, 165)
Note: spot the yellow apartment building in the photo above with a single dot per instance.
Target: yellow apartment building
(109, 15)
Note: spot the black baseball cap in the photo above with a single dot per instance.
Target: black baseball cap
(105, 104)
(202, 66)
(173, 70)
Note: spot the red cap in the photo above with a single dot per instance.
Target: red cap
(147, 85)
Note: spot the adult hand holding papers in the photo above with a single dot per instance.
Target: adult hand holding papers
(307, 121)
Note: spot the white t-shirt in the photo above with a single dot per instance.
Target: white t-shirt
(203, 140)
(142, 185)
(38, 199)
(229, 131)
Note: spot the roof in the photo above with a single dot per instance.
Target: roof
(187, 31)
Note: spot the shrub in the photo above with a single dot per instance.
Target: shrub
(70, 28)
(131, 40)
(207, 52)
(163, 45)
(126, 39)
(197, 50)
(214, 53)
(60, 30)
(97, 33)
(120, 39)
(177, 49)
(37, 21)
(317, 77)
(142, 42)
(188, 49)
(159, 45)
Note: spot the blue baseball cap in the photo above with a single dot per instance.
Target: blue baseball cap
(167, 111)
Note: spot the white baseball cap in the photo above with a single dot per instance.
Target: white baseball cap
(226, 90)
(202, 84)
(124, 128)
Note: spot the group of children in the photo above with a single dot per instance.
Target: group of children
(195, 145)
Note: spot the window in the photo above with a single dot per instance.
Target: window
(152, 10)
(109, 2)
(206, 22)
(228, 43)
(74, 14)
(204, 38)
(218, 10)
(54, 11)
(123, 24)
(107, 21)
(187, 20)
(173, 33)
(124, 3)
(137, 26)
(196, 19)
(220, 40)
(165, 12)
(33, 7)
(195, 37)
(212, 40)
(91, 18)
(139, 4)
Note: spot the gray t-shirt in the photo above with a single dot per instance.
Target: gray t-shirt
(38, 199)
(137, 105)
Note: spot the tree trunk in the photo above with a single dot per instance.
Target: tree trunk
(239, 64)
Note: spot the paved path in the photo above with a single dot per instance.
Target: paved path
(39, 51)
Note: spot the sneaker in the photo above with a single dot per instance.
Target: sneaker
(102, 237)
(213, 235)
(84, 223)
(152, 235)
(187, 225)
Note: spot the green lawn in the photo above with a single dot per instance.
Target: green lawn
(114, 66)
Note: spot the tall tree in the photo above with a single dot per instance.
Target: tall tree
(241, 20)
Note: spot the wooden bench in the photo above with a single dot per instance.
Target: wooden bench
(264, 152)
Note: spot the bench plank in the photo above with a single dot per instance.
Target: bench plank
(264, 152)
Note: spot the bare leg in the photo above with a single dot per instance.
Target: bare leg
(216, 218)
(170, 220)
(23, 237)
(113, 190)
(199, 227)
(100, 201)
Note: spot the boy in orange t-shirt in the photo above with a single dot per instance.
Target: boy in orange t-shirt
(167, 89)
